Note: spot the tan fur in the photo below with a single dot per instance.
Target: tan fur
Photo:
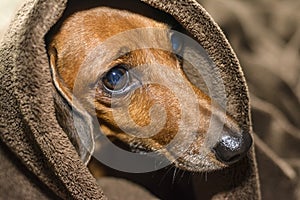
(83, 31)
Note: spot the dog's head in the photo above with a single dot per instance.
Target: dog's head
(141, 96)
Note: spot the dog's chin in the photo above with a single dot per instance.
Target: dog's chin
(198, 163)
(201, 162)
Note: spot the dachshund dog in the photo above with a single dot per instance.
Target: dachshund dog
(118, 77)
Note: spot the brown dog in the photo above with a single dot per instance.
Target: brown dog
(118, 76)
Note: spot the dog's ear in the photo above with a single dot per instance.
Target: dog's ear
(72, 117)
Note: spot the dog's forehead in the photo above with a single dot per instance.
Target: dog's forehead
(113, 29)
(103, 23)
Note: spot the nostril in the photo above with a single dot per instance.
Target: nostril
(231, 149)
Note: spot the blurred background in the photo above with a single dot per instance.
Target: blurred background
(265, 34)
(7, 10)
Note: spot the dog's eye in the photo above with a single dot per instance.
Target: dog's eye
(116, 79)
(177, 42)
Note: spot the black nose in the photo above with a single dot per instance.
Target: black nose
(231, 148)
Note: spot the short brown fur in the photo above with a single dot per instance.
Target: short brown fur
(82, 32)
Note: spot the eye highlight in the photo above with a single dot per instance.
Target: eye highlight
(116, 79)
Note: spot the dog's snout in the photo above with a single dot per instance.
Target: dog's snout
(231, 148)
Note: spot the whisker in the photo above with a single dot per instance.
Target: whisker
(182, 175)
(165, 175)
(191, 175)
(174, 175)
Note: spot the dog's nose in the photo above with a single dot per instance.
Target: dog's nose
(231, 147)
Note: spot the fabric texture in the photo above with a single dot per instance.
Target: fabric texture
(37, 156)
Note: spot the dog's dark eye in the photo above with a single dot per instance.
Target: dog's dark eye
(177, 42)
(116, 79)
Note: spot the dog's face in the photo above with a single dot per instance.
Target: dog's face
(146, 85)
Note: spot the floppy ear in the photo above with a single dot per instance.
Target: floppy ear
(72, 117)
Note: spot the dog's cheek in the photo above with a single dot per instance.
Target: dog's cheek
(141, 115)
(156, 106)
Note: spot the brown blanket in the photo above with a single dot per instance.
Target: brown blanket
(38, 161)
